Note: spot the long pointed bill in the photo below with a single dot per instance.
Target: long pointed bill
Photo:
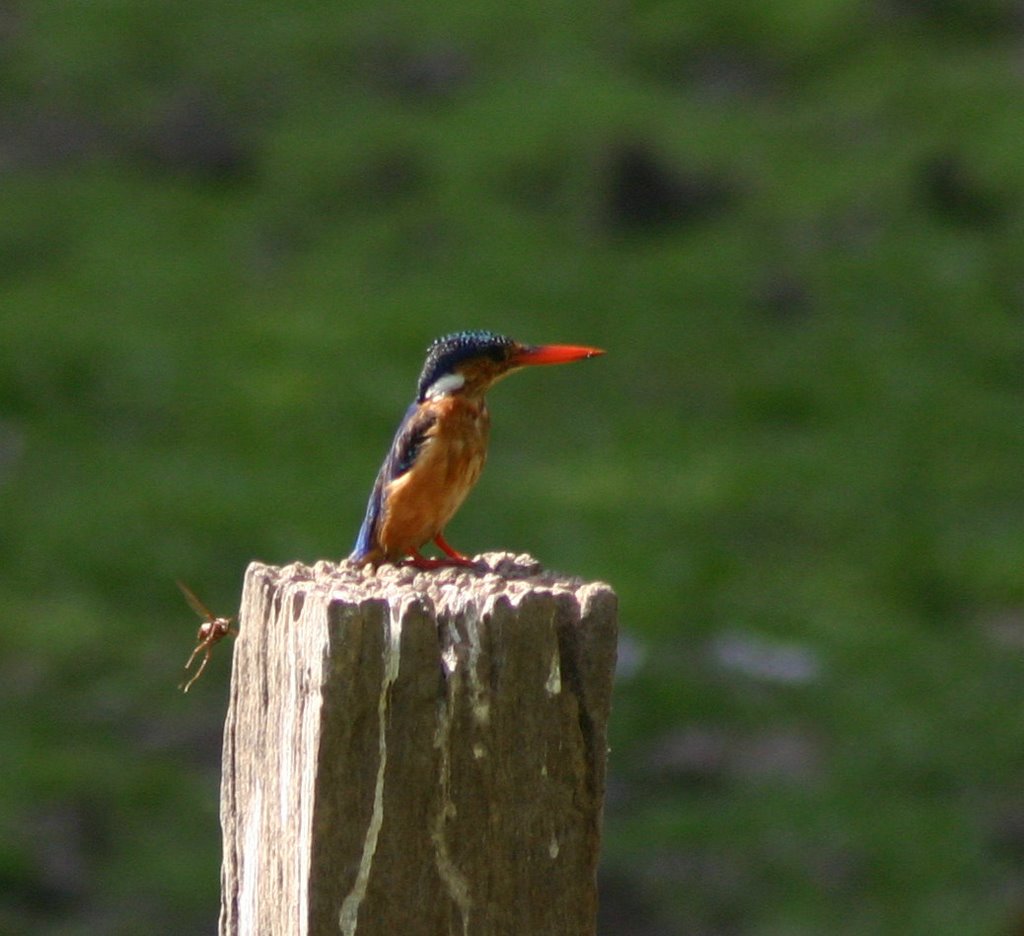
(553, 354)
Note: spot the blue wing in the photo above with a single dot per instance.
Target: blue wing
(406, 446)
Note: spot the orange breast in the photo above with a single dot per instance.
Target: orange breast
(426, 497)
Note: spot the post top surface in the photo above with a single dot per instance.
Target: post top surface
(499, 574)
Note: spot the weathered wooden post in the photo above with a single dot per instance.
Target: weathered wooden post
(416, 753)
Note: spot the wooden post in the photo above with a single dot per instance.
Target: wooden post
(416, 753)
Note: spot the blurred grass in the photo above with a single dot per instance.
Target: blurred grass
(797, 229)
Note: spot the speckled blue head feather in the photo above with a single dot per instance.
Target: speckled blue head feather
(446, 353)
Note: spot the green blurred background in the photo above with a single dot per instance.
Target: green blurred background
(227, 234)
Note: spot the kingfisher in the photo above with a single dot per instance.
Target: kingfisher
(440, 447)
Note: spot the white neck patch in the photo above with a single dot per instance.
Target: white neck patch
(449, 383)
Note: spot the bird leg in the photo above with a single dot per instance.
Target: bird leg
(453, 557)
(453, 554)
(418, 561)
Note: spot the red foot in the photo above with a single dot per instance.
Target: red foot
(419, 561)
(460, 558)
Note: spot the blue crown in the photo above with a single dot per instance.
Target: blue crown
(446, 353)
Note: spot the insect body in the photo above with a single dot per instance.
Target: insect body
(211, 631)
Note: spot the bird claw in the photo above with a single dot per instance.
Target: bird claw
(418, 561)
(452, 553)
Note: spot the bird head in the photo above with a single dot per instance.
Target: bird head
(470, 362)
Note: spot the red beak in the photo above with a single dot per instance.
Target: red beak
(552, 354)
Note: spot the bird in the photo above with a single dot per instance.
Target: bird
(440, 447)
